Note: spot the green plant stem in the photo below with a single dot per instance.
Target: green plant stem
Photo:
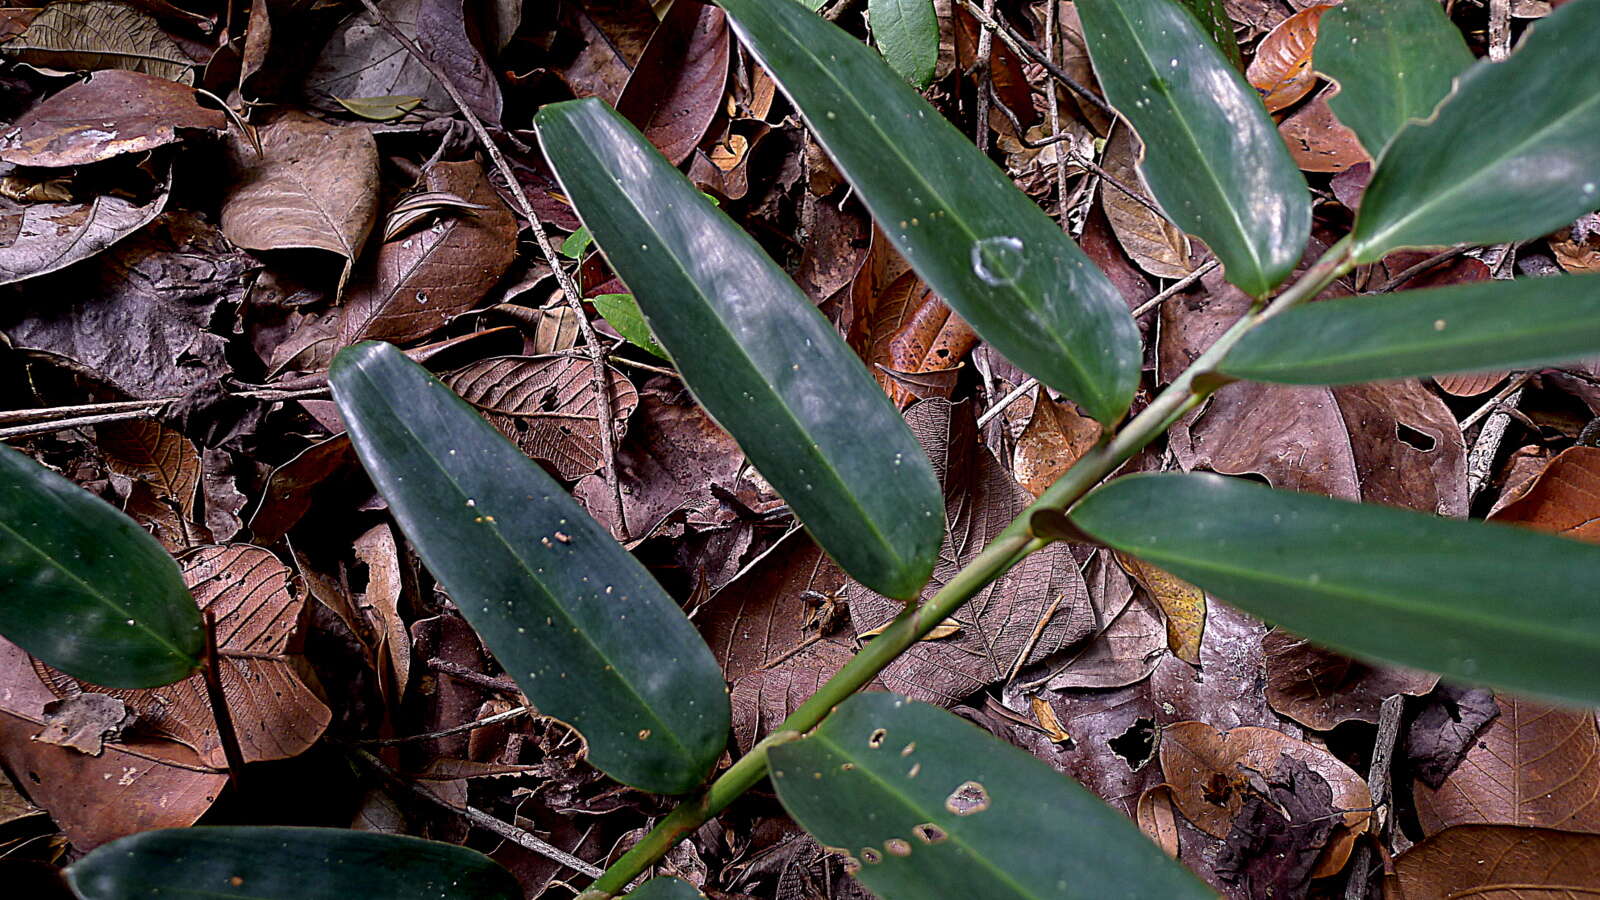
(1013, 544)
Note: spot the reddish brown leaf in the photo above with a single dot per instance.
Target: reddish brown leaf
(291, 487)
(1577, 249)
(677, 85)
(1321, 689)
(1318, 141)
(912, 331)
(777, 609)
(548, 406)
(1151, 241)
(1489, 862)
(167, 463)
(1056, 436)
(1005, 70)
(113, 113)
(1564, 498)
(1281, 71)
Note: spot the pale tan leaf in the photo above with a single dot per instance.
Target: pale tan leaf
(1154, 244)
(86, 35)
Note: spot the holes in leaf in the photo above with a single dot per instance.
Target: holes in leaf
(897, 847)
(1137, 745)
(969, 798)
(929, 833)
(875, 740)
(871, 856)
(1421, 440)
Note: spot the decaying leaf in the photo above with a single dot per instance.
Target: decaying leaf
(1281, 70)
(1151, 241)
(548, 406)
(1127, 642)
(115, 112)
(1496, 861)
(313, 185)
(89, 35)
(276, 715)
(1183, 605)
(1318, 141)
(911, 331)
(1564, 498)
(165, 461)
(1321, 689)
(1056, 436)
(380, 604)
(84, 722)
(45, 237)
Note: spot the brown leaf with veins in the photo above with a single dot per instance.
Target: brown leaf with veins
(1126, 645)
(1497, 862)
(1183, 604)
(776, 610)
(45, 237)
(1321, 689)
(763, 698)
(139, 785)
(1154, 244)
(677, 84)
(548, 406)
(1035, 610)
(1056, 436)
(1564, 498)
(1281, 71)
(1534, 765)
(115, 112)
(314, 185)
(380, 606)
(910, 330)
(257, 612)
(165, 461)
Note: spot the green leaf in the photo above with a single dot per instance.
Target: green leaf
(1466, 176)
(1212, 157)
(85, 589)
(1489, 325)
(1214, 18)
(976, 239)
(1482, 602)
(907, 34)
(664, 888)
(1393, 60)
(286, 864)
(755, 351)
(576, 244)
(927, 805)
(379, 109)
(622, 311)
(586, 632)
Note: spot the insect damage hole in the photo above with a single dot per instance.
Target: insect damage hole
(875, 740)
(929, 833)
(897, 847)
(869, 855)
(967, 799)
(1137, 745)
(1420, 440)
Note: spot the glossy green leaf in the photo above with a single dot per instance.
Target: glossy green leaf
(1483, 602)
(1212, 157)
(663, 888)
(85, 589)
(755, 351)
(235, 863)
(928, 805)
(976, 239)
(1393, 60)
(907, 34)
(1469, 327)
(1214, 18)
(586, 632)
(622, 311)
(1468, 177)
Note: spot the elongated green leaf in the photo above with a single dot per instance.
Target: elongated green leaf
(907, 34)
(586, 632)
(1482, 602)
(1214, 19)
(664, 888)
(928, 805)
(1394, 60)
(755, 351)
(1211, 155)
(973, 237)
(622, 311)
(85, 589)
(1533, 166)
(1463, 328)
(286, 864)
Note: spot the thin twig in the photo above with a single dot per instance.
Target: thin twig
(219, 701)
(981, 71)
(563, 277)
(1006, 401)
(523, 838)
(59, 412)
(1500, 397)
(1378, 777)
(1052, 49)
(484, 722)
(1172, 291)
(1411, 272)
(19, 431)
(61, 418)
(457, 670)
(1020, 45)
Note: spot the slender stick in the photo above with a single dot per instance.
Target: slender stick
(212, 674)
(1020, 46)
(1010, 547)
(474, 725)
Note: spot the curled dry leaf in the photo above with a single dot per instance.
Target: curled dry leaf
(1577, 249)
(1281, 70)
(362, 60)
(1151, 241)
(1564, 498)
(136, 785)
(89, 35)
(910, 331)
(314, 185)
(44, 237)
(257, 613)
(677, 85)
(1211, 776)
(1321, 689)
(1495, 861)
(113, 113)
(168, 464)
(1183, 605)
(380, 604)
(548, 406)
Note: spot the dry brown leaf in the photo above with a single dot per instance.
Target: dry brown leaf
(763, 698)
(86, 35)
(1056, 436)
(1129, 638)
(1564, 498)
(1153, 243)
(677, 84)
(1318, 141)
(1211, 775)
(1183, 604)
(1496, 862)
(314, 185)
(1045, 715)
(1321, 689)
(380, 604)
(548, 406)
(911, 331)
(46, 237)
(1577, 249)
(1534, 765)
(113, 113)
(131, 787)
(1281, 70)
(165, 461)
(257, 613)
(1470, 385)
(1155, 817)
